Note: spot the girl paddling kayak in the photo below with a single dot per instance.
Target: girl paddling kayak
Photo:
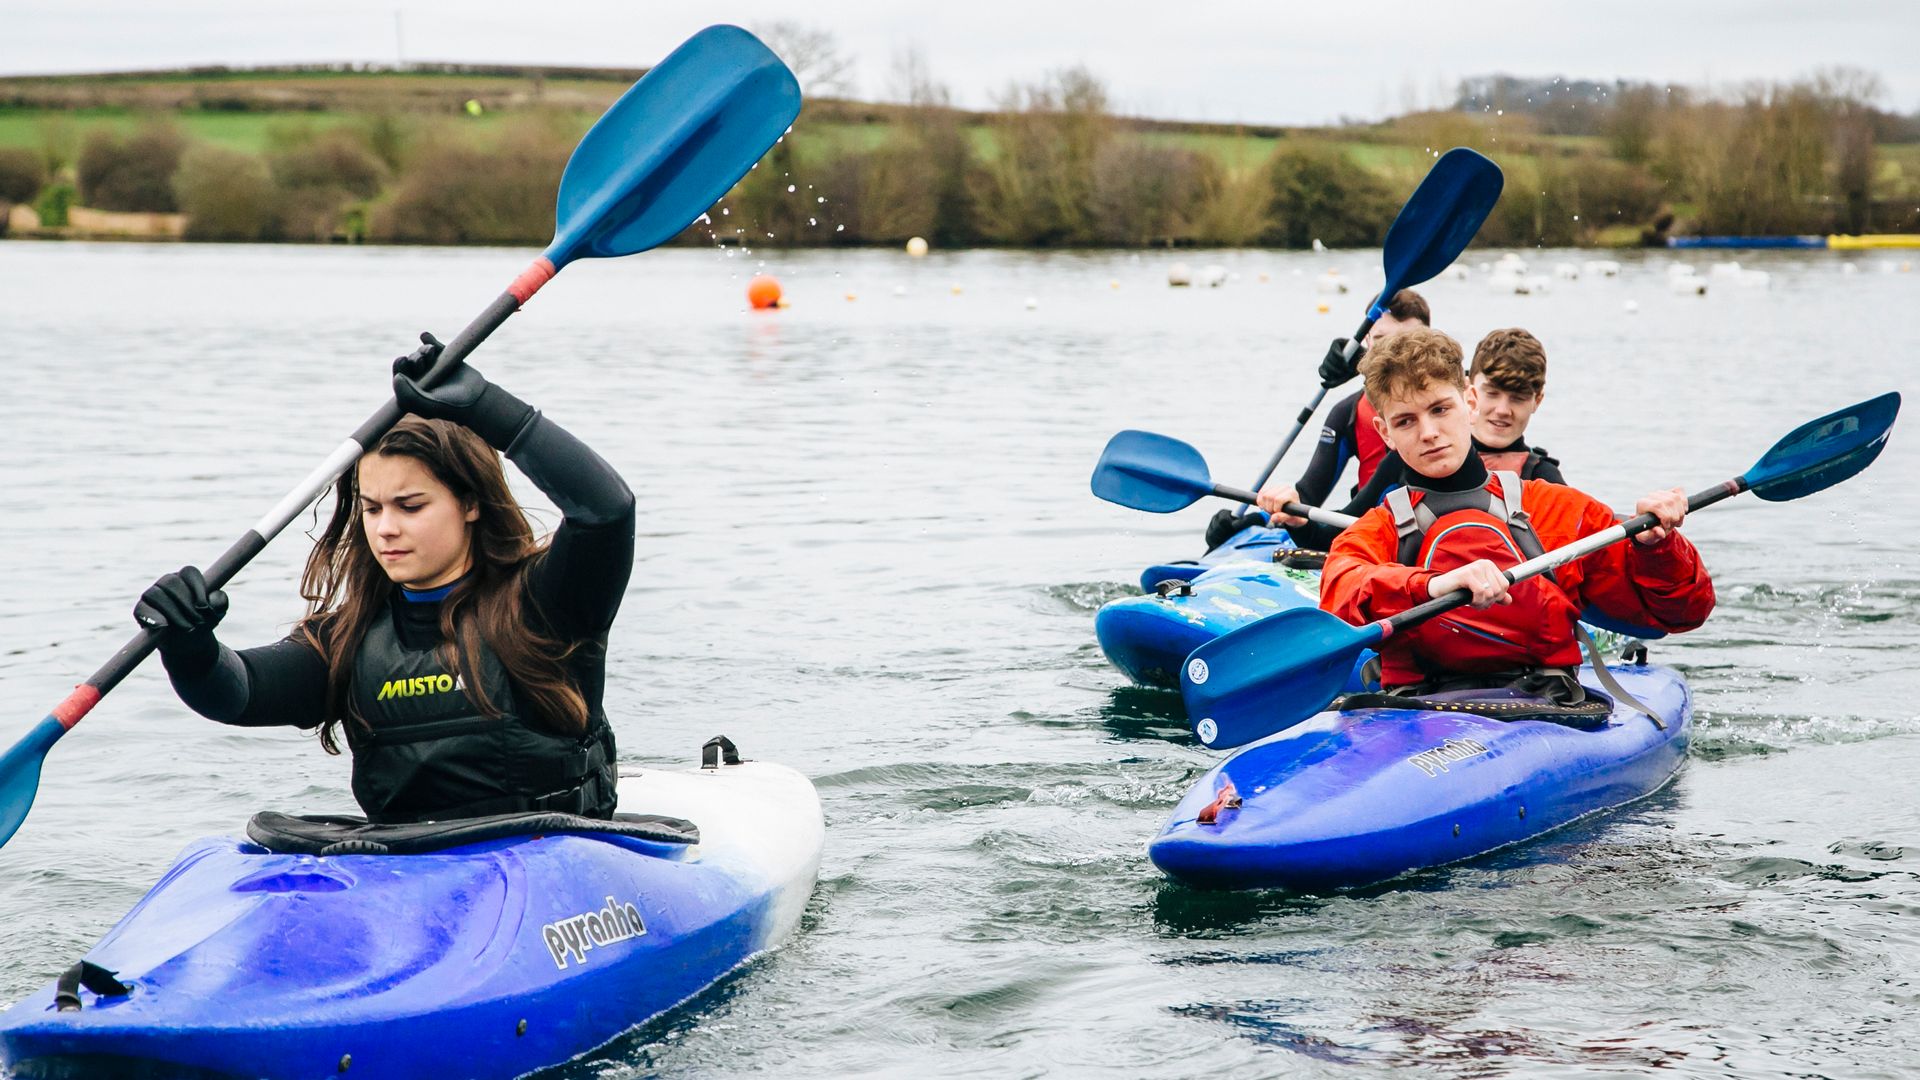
(464, 661)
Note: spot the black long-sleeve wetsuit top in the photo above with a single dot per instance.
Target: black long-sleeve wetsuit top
(575, 590)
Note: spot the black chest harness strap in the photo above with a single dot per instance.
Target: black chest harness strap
(1413, 520)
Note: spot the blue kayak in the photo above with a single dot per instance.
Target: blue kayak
(1352, 798)
(494, 958)
(1148, 637)
(1256, 543)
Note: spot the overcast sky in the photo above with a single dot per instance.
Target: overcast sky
(1253, 61)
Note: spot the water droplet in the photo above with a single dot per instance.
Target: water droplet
(791, 189)
(812, 221)
(839, 228)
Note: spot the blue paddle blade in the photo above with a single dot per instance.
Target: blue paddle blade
(1438, 222)
(673, 144)
(20, 774)
(1821, 453)
(1271, 674)
(1150, 472)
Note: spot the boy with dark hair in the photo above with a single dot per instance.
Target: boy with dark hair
(1455, 525)
(1509, 377)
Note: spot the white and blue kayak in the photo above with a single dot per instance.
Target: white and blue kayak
(1355, 797)
(493, 957)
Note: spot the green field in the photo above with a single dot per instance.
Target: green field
(33, 128)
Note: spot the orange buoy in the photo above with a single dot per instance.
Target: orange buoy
(763, 291)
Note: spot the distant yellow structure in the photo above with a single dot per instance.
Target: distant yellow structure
(1863, 243)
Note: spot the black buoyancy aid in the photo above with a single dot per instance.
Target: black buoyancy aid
(1525, 461)
(1368, 446)
(427, 752)
(1445, 530)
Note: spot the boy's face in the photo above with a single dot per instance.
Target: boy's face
(1430, 428)
(1501, 417)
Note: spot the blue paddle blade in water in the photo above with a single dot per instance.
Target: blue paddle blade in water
(1270, 674)
(1150, 472)
(20, 774)
(1438, 221)
(1821, 453)
(673, 144)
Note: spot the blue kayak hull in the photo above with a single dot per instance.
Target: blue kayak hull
(1355, 798)
(493, 959)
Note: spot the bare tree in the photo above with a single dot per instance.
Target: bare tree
(813, 54)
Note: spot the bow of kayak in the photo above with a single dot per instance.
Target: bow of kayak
(493, 958)
(1150, 637)
(1355, 798)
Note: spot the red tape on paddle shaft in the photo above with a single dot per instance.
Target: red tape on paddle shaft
(76, 705)
(538, 273)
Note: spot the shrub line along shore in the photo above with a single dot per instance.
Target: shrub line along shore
(471, 154)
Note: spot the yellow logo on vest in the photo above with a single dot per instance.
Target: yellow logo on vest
(420, 686)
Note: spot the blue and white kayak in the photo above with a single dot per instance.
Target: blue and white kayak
(490, 959)
(1149, 637)
(1352, 798)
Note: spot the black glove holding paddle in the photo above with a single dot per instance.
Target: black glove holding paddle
(185, 611)
(1335, 368)
(1226, 524)
(463, 396)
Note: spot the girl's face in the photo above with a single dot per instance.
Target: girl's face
(416, 528)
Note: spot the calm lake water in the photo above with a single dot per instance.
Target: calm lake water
(867, 550)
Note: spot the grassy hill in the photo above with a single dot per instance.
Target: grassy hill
(895, 170)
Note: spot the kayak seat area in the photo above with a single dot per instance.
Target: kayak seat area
(1499, 703)
(344, 834)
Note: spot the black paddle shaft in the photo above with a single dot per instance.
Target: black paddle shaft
(1354, 345)
(254, 540)
(1563, 555)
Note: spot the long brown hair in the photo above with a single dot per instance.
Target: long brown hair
(346, 589)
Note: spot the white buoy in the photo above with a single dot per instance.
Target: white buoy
(1457, 272)
(1179, 276)
(1600, 268)
(1504, 281)
(1754, 279)
(1318, 247)
(1566, 271)
(1329, 282)
(1849, 268)
(916, 247)
(1032, 302)
(1213, 276)
(1630, 307)
(1724, 270)
(1687, 284)
(899, 290)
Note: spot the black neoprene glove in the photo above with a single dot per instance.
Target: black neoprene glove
(463, 396)
(1225, 524)
(1335, 368)
(185, 611)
